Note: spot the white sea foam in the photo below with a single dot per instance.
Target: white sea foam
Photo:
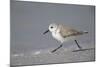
(37, 52)
(16, 55)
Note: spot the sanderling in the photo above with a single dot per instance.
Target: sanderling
(62, 34)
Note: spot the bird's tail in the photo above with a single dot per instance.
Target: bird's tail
(84, 32)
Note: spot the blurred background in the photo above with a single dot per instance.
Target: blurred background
(30, 19)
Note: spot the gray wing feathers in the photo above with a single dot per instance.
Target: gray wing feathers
(67, 32)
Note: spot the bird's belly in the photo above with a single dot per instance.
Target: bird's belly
(58, 37)
(61, 39)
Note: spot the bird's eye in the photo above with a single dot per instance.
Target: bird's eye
(51, 27)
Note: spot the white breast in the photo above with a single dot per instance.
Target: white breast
(57, 36)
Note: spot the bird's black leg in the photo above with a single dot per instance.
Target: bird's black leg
(78, 44)
(57, 48)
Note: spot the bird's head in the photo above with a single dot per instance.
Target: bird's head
(52, 28)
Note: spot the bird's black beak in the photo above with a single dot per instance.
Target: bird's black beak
(46, 31)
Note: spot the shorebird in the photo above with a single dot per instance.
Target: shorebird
(62, 34)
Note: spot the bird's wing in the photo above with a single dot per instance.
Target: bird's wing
(67, 32)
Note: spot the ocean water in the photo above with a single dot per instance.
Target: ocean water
(63, 55)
